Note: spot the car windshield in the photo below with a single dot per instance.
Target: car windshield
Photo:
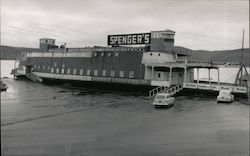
(160, 97)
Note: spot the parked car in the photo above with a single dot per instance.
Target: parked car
(3, 86)
(225, 96)
(163, 100)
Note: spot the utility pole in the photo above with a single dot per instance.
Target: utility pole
(241, 59)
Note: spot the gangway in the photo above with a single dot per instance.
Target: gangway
(170, 90)
(33, 77)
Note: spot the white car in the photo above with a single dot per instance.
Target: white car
(163, 100)
(225, 96)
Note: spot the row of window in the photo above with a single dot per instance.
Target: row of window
(109, 54)
(103, 72)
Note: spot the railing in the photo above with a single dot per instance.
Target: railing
(175, 89)
(212, 63)
(34, 77)
(170, 90)
(157, 90)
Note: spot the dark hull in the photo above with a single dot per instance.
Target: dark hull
(101, 86)
(206, 93)
(20, 77)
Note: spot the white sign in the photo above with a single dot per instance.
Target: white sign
(235, 89)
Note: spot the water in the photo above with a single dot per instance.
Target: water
(227, 75)
(6, 67)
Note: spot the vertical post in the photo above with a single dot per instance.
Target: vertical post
(185, 75)
(241, 73)
(152, 72)
(197, 75)
(241, 61)
(209, 75)
(170, 76)
(218, 76)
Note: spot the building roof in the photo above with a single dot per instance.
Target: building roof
(47, 39)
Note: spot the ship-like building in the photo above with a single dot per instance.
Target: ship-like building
(131, 62)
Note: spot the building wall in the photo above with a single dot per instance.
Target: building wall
(126, 64)
(157, 57)
(160, 44)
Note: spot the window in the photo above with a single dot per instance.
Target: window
(102, 54)
(104, 73)
(43, 67)
(96, 72)
(116, 54)
(112, 73)
(159, 75)
(48, 67)
(55, 64)
(63, 65)
(121, 73)
(88, 72)
(109, 54)
(52, 70)
(95, 54)
(68, 71)
(38, 67)
(57, 70)
(74, 71)
(131, 74)
(62, 70)
(81, 71)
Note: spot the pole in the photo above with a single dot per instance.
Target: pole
(241, 60)
(170, 76)
(185, 74)
(218, 76)
(152, 72)
(197, 75)
(209, 76)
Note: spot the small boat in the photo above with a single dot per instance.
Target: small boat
(163, 100)
(3, 86)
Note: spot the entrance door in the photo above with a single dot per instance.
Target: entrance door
(180, 78)
(159, 76)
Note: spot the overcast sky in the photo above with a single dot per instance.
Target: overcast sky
(199, 24)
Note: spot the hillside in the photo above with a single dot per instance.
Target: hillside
(220, 56)
(10, 53)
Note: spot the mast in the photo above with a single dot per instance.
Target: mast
(241, 60)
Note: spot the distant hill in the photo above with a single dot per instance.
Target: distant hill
(10, 53)
(217, 56)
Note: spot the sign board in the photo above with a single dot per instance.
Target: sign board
(128, 39)
(235, 89)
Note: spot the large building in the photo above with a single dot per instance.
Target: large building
(130, 62)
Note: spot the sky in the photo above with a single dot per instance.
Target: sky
(199, 24)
